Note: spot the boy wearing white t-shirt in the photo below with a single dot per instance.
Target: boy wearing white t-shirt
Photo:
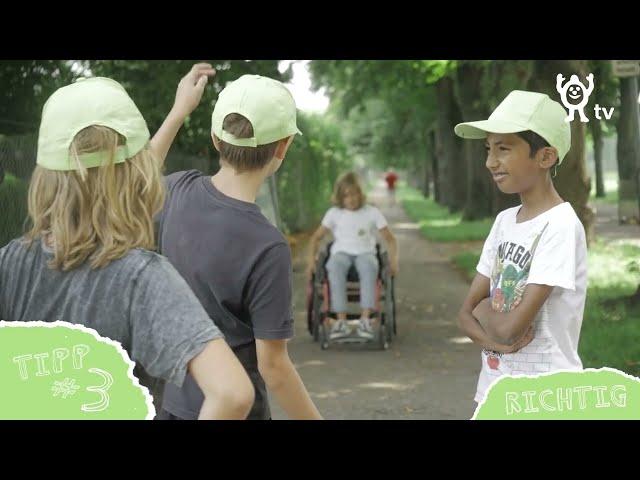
(353, 224)
(526, 303)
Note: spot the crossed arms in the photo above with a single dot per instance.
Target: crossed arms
(503, 332)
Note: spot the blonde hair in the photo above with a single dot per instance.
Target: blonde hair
(98, 213)
(344, 181)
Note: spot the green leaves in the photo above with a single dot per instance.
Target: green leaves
(384, 106)
(305, 180)
(25, 86)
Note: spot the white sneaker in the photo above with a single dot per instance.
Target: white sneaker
(340, 329)
(364, 328)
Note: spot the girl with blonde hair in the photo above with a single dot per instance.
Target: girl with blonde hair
(353, 224)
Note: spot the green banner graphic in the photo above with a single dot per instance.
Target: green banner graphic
(590, 394)
(61, 370)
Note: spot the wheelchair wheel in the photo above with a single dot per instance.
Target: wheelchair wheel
(319, 278)
(390, 308)
(388, 327)
(316, 332)
(389, 304)
(315, 314)
(309, 304)
(383, 341)
(323, 335)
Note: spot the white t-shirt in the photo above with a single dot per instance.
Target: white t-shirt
(550, 249)
(354, 231)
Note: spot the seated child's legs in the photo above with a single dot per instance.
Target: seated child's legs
(338, 266)
(367, 266)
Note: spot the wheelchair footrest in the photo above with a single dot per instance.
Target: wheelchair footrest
(352, 316)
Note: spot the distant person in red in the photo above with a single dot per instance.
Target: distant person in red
(391, 179)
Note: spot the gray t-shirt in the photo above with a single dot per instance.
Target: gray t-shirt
(231, 256)
(138, 300)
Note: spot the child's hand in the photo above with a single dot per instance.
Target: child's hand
(191, 88)
(520, 344)
(394, 268)
(525, 340)
(311, 268)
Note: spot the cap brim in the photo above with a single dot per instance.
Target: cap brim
(480, 129)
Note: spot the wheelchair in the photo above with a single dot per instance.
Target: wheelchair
(319, 303)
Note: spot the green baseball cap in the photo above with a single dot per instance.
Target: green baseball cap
(265, 102)
(521, 111)
(88, 101)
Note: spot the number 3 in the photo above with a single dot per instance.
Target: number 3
(102, 390)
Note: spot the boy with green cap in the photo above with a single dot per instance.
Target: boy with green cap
(526, 302)
(88, 257)
(237, 263)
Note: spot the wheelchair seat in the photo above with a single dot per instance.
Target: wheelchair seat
(319, 305)
(352, 275)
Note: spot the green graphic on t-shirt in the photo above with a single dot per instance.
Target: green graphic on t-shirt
(508, 281)
(59, 370)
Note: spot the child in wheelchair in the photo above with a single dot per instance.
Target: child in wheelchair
(353, 224)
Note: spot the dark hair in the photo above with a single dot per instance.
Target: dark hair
(535, 141)
(244, 159)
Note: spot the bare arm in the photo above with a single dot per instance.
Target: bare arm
(392, 246)
(471, 327)
(505, 327)
(228, 391)
(283, 380)
(317, 236)
(188, 95)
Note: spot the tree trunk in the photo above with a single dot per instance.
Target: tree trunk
(452, 174)
(479, 192)
(596, 133)
(299, 180)
(426, 185)
(422, 159)
(443, 161)
(479, 189)
(628, 152)
(635, 298)
(572, 181)
(437, 195)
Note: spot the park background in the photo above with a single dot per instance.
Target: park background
(371, 116)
